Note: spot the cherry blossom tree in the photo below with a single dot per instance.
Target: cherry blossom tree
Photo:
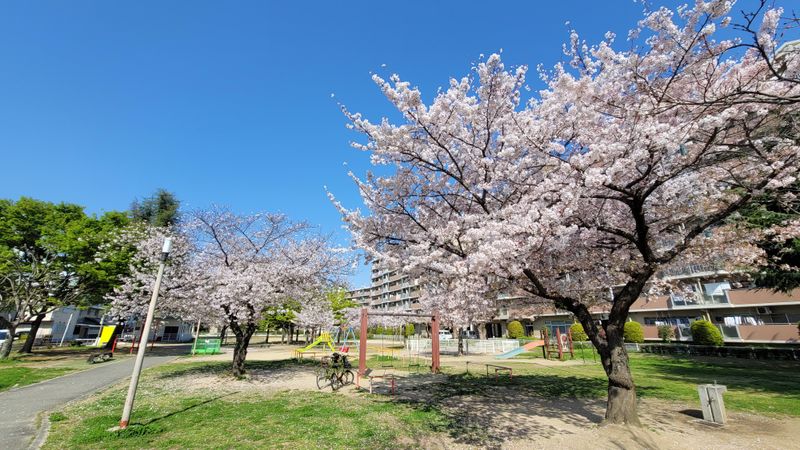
(176, 297)
(236, 268)
(630, 162)
(316, 313)
(460, 302)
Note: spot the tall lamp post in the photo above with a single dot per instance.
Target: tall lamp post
(137, 366)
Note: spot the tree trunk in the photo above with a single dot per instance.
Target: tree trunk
(621, 407)
(5, 348)
(460, 342)
(266, 341)
(608, 339)
(28, 346)
(243, 335)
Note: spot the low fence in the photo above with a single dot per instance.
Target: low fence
(387, 337)
(728, 351)
(482, 346)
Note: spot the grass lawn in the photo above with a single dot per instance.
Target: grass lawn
(24, 369)
(168, 418)
(753, 385)
(13, 375)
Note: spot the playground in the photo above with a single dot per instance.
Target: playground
(547, 402)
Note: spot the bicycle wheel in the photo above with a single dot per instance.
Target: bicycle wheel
(323, 380)
(336, 381)
(348, 377)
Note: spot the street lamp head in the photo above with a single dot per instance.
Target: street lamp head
(167, 246)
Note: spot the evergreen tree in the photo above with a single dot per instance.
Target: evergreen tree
(160, 209)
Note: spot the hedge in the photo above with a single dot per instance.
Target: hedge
(578, 334)
(705, 333)
(515, 329)
(633, 333)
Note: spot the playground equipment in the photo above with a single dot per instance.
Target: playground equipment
(362, 346)
(349, 336)
(558, 344)
(527, 347)
(323, 339)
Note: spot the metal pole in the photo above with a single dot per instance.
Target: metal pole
(362, 344)
(137, 366)
(435, 343)
(197, 336)
(99, 333)
(65, 330)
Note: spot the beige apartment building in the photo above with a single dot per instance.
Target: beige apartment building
(744, 315)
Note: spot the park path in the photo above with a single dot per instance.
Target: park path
(19, 407)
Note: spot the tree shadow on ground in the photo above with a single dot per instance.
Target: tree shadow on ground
(185, 409)
(487, 411)
(223, 367)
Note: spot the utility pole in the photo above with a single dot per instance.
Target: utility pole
(137, 366)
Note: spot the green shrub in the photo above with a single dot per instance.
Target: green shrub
(666, 333)
(577, 332)
(705, 333)
(515, 329)
(633, 333)
(409, 330)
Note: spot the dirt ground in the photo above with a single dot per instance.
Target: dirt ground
(506, 418)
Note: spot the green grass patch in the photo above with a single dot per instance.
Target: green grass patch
(169, 418)
(12, 375)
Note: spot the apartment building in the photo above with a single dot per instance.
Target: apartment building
(743, 314)
(390, 289)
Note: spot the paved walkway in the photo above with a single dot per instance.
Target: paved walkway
(19, 407)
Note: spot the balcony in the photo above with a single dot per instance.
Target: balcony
(690, 271)
(697, 299)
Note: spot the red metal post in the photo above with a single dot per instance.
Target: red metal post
(362, 344)
(435, 343)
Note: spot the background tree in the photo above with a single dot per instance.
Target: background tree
(53, 249)
(628, 163)
(767, 212)
(280, 317)
(236, 267)
(340, 303)
(159, 210)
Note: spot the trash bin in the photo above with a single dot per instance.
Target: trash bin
(711, 402)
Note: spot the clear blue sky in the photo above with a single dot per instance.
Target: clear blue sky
(230, 102)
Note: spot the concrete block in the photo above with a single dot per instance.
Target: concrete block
(712, 403)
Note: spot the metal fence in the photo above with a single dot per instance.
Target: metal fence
(482, 346)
